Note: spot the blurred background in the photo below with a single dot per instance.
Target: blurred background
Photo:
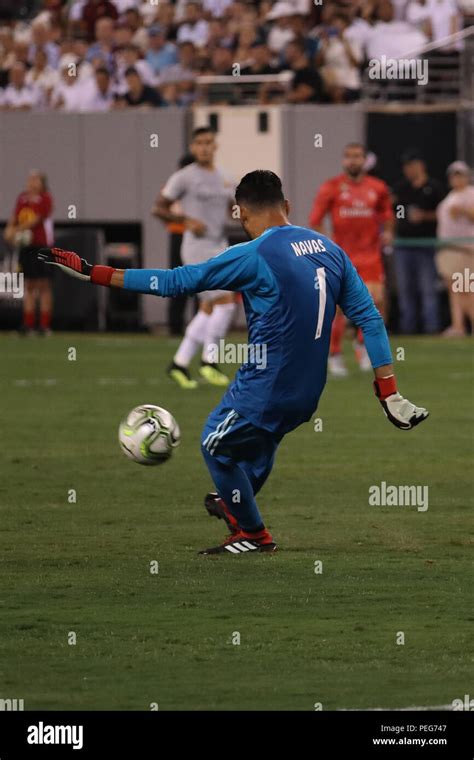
(98, 99)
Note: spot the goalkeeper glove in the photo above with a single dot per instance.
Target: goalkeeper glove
(401, 412)
(72, 264)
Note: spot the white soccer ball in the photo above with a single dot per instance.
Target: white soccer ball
(149, 434)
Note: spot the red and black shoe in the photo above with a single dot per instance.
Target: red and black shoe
(243, 543)
(217, 508)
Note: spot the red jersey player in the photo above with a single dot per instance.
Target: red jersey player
(30, 228)
(362, 220)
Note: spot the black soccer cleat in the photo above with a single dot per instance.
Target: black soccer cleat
(216, 508)
(244, 543)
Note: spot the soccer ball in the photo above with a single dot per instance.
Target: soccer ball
(148, 434)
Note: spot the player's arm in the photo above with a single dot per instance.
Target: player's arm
(234, 269)
(322, 205)
(162, 210)
(357, 303)
(10, 230)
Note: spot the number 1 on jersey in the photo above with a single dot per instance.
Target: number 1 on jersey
(320, 284)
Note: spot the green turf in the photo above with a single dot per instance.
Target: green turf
(167, 638)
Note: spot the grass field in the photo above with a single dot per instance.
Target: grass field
(167, 638)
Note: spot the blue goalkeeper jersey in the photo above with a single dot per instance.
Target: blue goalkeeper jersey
(291, 279)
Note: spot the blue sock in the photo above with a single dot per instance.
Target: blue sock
(234, 487)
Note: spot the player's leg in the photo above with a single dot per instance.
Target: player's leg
(190, 344)
(428, 281)
(407, 288)
(447, 263)
(29, 267)
(239, 458)
(336, 364)
(29, 306)
(221, 305)
(46, 305)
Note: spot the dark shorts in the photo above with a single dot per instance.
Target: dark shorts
(31, 267)
(229, 437)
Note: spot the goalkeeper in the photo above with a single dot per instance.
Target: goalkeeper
(292, 279)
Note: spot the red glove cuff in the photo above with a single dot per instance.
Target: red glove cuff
(101, 275)
(385, 386)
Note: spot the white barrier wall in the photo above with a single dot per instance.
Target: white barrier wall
(101, 168)
(109, 167)
(242, 146)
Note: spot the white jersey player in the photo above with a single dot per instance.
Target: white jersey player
(205, 195)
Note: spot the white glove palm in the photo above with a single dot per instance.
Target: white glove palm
(402, 412)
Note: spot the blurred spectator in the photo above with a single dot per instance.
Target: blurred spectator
(69, 93)
(306, 86)
(30, 228)
(456, 220)
(102, 49)
(129, 57)
(42, 76)
(390, 38)
(248, 34)
(101, 32)
(100, 93)
(340, 59)
(133, 19)
(124, 5)
(40, 38)
(281, 31)
(260, 62)
(416, 199)
(215, 8)
(138, 95)
(218, 33)
(177, 82)
(436, 18)
(222, 60)
(299, 23)
(19, 96)
(360, 26)
(123, 34)
(85, 68)
(92, 11)
(160, 53)
(195, 28)
(75, 11)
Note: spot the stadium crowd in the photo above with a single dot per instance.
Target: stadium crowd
(96, 55)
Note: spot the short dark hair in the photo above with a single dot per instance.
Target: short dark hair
(356, 144)
(202, 131)
(260, 189)
(411, 154)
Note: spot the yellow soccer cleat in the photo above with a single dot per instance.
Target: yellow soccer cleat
(213, 375)
(181, 377)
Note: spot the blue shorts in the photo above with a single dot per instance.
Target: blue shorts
(231, 439)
